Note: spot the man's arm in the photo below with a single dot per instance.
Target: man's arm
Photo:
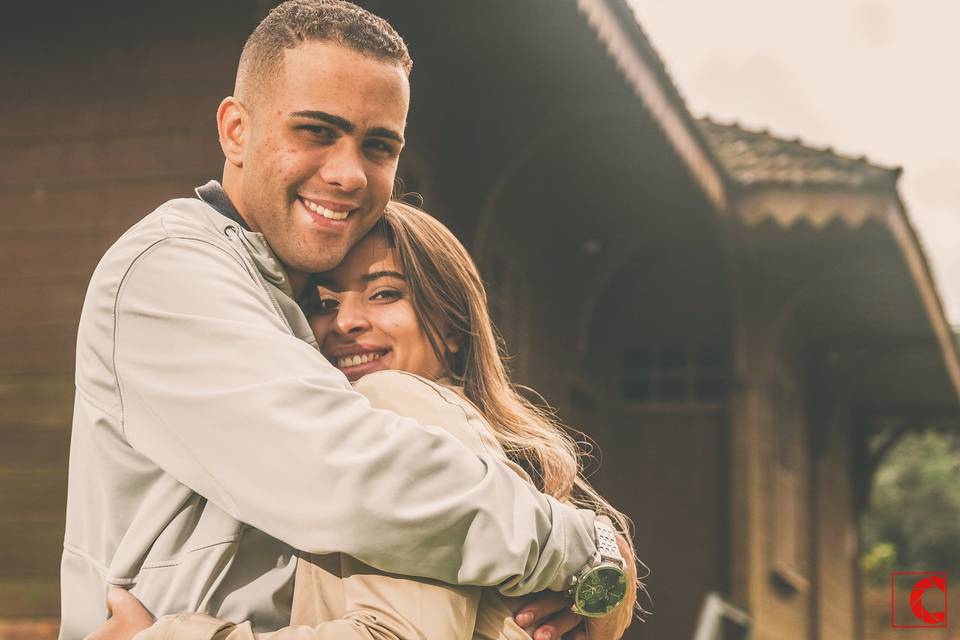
(370, 605)
(217, 392)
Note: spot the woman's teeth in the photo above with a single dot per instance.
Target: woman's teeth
(326, 213)
(352, 361)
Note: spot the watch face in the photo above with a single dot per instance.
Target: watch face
(600, 590)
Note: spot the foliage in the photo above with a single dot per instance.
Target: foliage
(913, 523)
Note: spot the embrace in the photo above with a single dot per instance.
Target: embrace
(293, 418)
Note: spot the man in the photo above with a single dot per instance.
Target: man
(210, 438)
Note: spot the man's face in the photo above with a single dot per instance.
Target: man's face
(320, 153)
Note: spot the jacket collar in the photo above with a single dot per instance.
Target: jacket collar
(254, 242)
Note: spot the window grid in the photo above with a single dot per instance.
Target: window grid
(674, 373)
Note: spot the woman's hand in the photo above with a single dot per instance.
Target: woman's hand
(128, 617)
(548, 617)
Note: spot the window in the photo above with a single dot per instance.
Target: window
(675, 373)
(789, 505)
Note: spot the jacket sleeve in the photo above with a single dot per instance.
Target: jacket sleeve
(375, 605)
(216, 391)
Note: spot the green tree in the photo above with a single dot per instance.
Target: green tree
(913, 523)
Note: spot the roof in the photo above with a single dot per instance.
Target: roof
(756, 157)
(628, 46)
(786, 180)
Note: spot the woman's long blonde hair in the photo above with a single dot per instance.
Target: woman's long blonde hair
(449, 299)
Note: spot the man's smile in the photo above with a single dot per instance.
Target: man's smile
(329, 210)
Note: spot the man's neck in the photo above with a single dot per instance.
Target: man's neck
(236, 202)
(298, 282)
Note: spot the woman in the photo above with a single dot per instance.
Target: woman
(405, 318)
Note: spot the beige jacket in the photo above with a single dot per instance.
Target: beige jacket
(200, 389)
(339, 597)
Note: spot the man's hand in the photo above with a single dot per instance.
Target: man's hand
(548, 615)
(614, 624)
(128, 617)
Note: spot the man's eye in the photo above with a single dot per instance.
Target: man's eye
(320, 131)
(383, 147)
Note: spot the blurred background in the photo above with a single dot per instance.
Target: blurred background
(748, 322)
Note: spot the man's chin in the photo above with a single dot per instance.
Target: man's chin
(315, 262)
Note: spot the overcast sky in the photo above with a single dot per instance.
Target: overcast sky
(874, 77)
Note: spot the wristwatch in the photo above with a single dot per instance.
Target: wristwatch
(602, 584)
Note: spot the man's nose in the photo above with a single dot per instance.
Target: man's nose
(343, 166)
(351, 319)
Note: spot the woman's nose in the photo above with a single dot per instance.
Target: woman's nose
(351, 318)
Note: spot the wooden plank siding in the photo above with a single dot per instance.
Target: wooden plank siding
(35, 412)
(91, 141)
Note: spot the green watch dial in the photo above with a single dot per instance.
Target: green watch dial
(600, 590)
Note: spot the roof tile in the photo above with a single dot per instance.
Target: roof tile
(754, 158)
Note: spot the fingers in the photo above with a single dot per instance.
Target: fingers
(542, 606)
(105, 631)
(558, 625)
(577, 634)
(126, 608)
(118, 599)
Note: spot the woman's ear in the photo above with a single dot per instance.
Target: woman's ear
(451, 342)
(232, 124)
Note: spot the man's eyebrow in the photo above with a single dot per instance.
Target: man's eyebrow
(347, 126)
(383, 132)
(329, 118)
(376, 275)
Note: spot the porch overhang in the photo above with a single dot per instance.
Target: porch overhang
(835, 230)
(868, 300)
(617, 27)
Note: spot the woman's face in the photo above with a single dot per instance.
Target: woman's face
(363, 317)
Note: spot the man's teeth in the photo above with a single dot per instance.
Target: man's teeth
(352, 361)
(326, 213)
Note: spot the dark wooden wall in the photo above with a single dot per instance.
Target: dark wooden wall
(108, 111)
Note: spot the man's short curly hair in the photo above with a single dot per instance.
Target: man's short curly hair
(294, 22)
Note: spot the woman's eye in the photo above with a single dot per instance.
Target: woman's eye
(327, 305)
(320, 306)
(386, 295)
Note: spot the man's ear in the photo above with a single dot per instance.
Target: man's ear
(232, 123)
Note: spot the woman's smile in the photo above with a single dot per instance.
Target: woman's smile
(359, 362)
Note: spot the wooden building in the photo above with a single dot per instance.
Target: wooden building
(725, 313)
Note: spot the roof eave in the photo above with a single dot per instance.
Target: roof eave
(906, 238)
(624, 42)
(884, 205)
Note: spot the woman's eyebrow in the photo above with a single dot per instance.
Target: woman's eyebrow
(376, 275)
